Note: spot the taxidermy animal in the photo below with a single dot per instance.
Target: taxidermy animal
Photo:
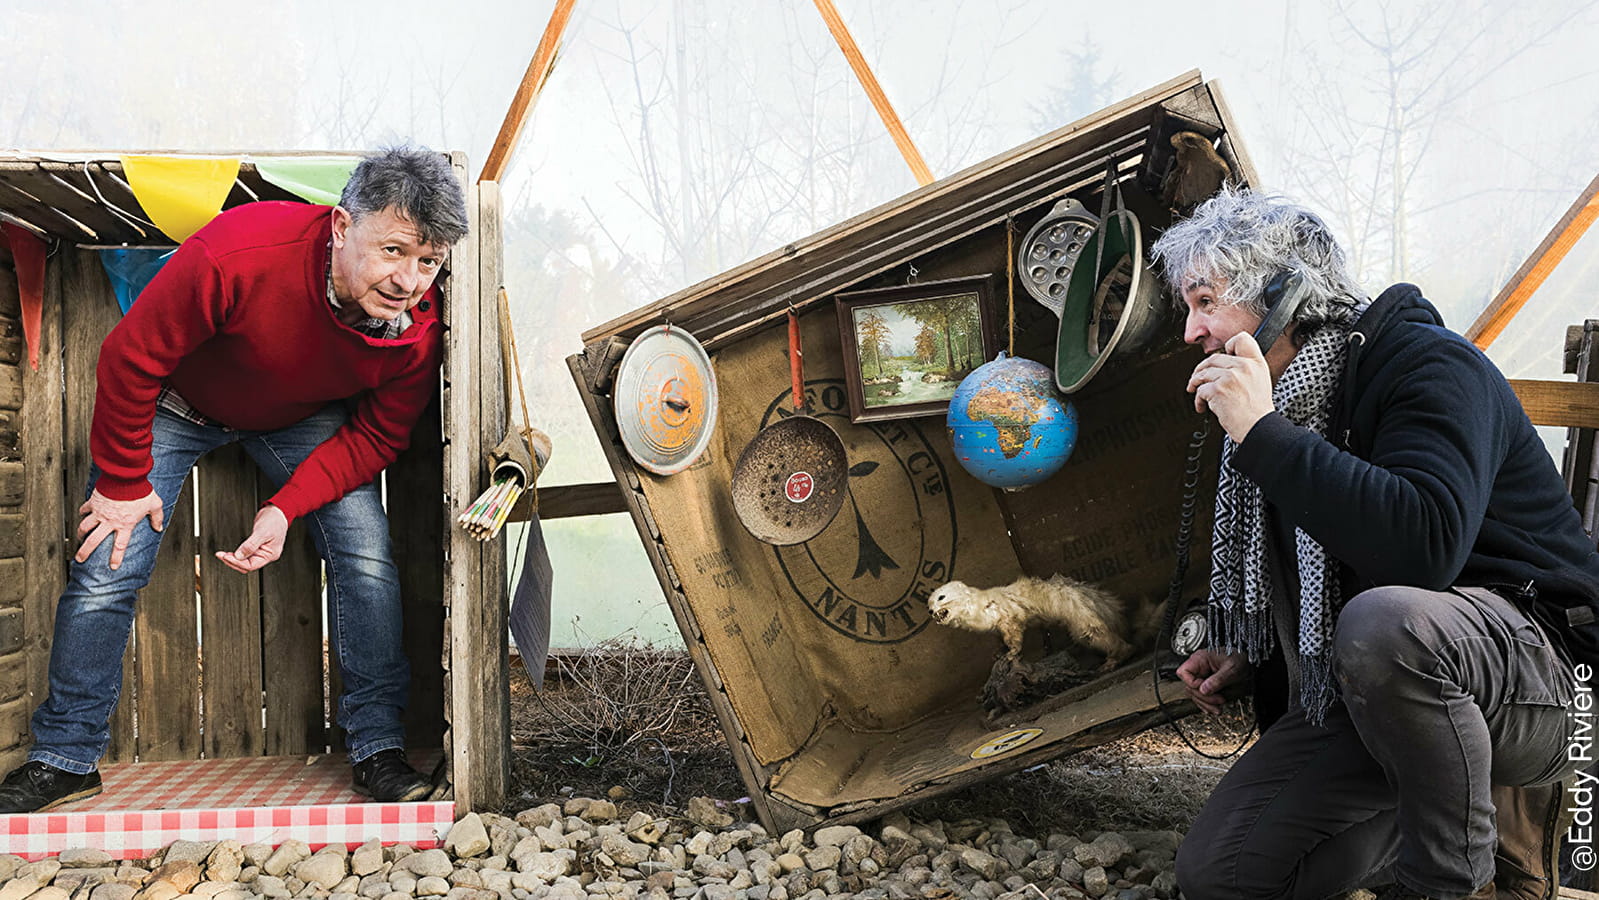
(1089, 615)
(1196, 174)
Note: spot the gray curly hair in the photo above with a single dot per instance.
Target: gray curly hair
(1247, 238)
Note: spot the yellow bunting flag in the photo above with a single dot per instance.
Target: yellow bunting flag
(180, 193)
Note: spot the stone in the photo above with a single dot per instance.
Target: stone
(74, 879)
(707, 866)
(984, 864)
(1071, 871)
(325, 870)
(367, 858)
(863, 848)
(192, 851)
(544, 866)
(525, 846)
(284, 857)
(823, 858)
(51, 892)
(703, 811)
(225, 861)
(256, 854)
(432, 886)
(538, 816)
(601, 811)
(111, 890)
(464, 878)
(1106, 850)
(396, 895)
(402, 880)
(183, 874)
(623, 851)
(719, 892)
(155, 890)
(834, 835)
(428, 862)
(235, 894)
(1095, 883)
(468, 837)
(79, 858)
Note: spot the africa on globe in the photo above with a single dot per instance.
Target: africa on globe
(1010, 426)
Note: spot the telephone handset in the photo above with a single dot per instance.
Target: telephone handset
(1284, 294)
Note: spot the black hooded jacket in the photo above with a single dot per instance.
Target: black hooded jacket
(1432, 476)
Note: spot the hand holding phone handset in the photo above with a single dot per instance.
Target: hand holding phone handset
(1235, 384)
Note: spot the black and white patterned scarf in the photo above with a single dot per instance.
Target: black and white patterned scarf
(1240, 578)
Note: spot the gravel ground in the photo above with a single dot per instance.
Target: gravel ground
(586, 849)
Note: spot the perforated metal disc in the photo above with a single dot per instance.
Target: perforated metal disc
(665, 399)
(1050, 251)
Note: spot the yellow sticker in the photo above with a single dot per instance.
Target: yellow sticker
(180, 193)
(1006, 742)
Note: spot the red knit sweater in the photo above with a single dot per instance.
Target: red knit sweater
(239, 323)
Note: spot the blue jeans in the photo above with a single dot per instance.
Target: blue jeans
(95, 615)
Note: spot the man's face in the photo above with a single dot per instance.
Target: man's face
(1212, 323)
(380, 262)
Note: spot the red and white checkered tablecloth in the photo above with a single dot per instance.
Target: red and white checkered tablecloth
(146, 806)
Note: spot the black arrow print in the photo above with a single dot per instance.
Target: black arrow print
(872, 558)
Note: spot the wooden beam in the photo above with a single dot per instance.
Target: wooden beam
(885, 110)
(538, 72)
(1532, 273)
(1562, 404)
(571, 500)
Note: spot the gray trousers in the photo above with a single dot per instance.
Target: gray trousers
(1443, 695)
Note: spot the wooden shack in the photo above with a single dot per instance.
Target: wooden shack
(839, 697)
(223, 666)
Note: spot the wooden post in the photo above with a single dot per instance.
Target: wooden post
(538, 72)
(1532, 273)
(885, 110)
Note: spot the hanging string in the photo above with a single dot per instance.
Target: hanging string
(1010, 279)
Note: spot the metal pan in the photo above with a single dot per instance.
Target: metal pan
(789, 482)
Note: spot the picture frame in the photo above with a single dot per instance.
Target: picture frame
(906, 348)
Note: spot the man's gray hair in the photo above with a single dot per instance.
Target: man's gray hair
(419, 184)
(1247, 238)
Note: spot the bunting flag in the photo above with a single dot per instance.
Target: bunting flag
(131, 269)
(180, 193)
(319, 179)
(27, 253)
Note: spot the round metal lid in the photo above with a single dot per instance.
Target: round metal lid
(665, 399)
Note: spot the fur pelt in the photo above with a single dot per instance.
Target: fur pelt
(1086, 613)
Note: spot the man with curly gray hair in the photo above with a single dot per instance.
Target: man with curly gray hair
(1395, 560)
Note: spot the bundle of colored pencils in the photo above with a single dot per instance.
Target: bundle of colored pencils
(487, 515)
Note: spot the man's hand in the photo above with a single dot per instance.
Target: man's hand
(1207, 673)
(264, 544)
(103, 516)
(1235, 385)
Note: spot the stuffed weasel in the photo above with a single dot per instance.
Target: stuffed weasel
(1089, 615)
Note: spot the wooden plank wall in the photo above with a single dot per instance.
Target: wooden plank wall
(30, 565)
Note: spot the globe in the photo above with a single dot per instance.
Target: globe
(1010, 425)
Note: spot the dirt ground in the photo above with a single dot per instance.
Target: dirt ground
(630, 722)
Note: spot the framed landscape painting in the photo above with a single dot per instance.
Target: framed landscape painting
(907, 348)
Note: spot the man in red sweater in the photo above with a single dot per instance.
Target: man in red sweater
(312, 337)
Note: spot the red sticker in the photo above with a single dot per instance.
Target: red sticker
(799, 487)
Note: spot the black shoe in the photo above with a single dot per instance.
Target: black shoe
(36, 787)
(387, 778)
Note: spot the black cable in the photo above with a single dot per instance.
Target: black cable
(1174, 592)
